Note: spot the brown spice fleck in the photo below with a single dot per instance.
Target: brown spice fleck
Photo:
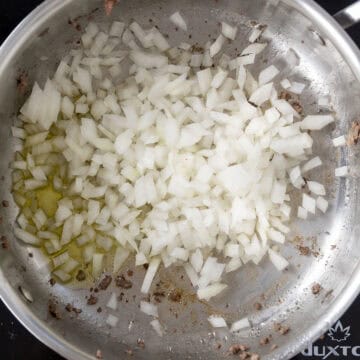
(22, 82)
(120, 281)
(281, 329)
(99, 309)
(53, 309)
(257, 306)
(105, 282)
(130, 273)
(316, 288)
(264, 340)
(244, 355)
(52, 281)
(5, 203)
(158, 296)
(92, 300)
(304, 250)
(30, 255)
(354, 134)
(141, 343)
(237, 348)
(109, 5)
(284, 330)
(297, 106)
(80, 276)
(129, 352)
(175, 295)
(71, 308)
(4, 242)
(197, 49)
(146, 266)
(284, 95)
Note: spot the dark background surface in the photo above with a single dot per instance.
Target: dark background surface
(17, 343)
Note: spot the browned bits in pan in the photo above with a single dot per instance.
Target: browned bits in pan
(257, 306)
(354, 133)
(316, 288)
(80, 276)
(53, 309)
(105, 282)
(120, 281)
(92, 300)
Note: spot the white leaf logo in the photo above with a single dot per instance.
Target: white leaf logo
(338, 333)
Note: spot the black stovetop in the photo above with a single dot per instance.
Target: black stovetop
(16, 343)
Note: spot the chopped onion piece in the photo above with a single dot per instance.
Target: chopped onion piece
(26, 236)
(285, 83)
(217, 45)
(112, 302)
(339, 141)
(97, 264)
(120, 257)
(228, 31)
(308, 203)
(341, 171)
(296, 87)
(240, 325)
(316, 122)
(322, 204)
(279, 262)
(112, 320)
(210, 291)
(302, 213)
(178, 20)
(217, 321)
(150, 274)
(157, 327)
(268, 74)
(255, 34)
(311, 164)
(254, 49)
(149, 309)
(316, 188)
(192, 275)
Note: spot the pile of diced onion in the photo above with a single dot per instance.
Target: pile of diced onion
(174, 156)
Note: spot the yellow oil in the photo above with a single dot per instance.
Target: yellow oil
(48, 199)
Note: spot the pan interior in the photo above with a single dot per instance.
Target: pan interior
(332, 238)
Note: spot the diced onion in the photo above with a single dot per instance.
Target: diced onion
(228, 31)
(157, 327)
(339, 141)
(112, 302)
(112, 320)
(217, 321)
(240, 325)
(279, 261)
(149, 309)
(341, 171)
(178, 20)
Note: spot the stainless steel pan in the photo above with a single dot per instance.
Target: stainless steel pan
(330, 62)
